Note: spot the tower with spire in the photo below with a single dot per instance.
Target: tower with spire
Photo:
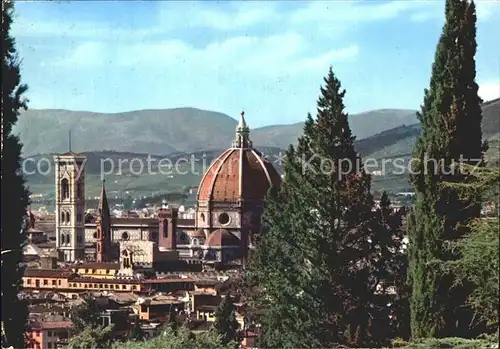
(103, 226)
(242, 139)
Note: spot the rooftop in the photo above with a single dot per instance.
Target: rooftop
(48, 273)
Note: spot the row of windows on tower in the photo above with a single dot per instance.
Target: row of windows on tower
(66, 219)
(66, 239)
(65, 192)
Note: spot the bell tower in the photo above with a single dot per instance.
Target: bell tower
(70, 206)
(103, 225)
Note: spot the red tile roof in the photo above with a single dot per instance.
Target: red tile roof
(238, 173)
(107, 266)
(47, 273)
(222, 237)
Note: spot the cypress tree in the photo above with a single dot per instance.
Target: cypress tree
(225, 321)
(316, 265)
(14, 193)
(451, 133)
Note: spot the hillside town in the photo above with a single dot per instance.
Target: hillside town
(318, 252)
(151, 269)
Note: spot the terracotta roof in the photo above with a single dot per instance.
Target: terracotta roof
(47, 273)
(198, 233)
(93, 280)
(165, 281)
(50, 325)
(238, 173)
(222, 237)
(107, 266)
(56, 324)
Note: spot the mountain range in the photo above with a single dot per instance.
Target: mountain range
(169, 130)
(175, 133)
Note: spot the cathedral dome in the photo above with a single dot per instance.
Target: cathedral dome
(221, 238)
(239, 173)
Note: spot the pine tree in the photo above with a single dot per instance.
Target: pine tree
(315, 265)
(450, 133)
(14, 195)
(225, 321)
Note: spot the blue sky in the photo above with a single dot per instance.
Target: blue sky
(265, 57)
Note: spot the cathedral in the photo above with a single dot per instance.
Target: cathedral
(227, 221)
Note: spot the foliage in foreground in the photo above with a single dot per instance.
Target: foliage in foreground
(91, 338)
(225, 323)
(14, 195)
(479, 257)
(181, 339)
(455, 343)
(450, 132)
(326, 252)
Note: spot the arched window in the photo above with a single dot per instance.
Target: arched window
(67, 217)
(125, 236)
(95, 235)
(64, 189)
(202, 216)
(63, 217)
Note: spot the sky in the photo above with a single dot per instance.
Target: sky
(267, 58)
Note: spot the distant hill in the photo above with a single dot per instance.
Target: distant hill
(396, 142)
(400, 140)
(169, 130)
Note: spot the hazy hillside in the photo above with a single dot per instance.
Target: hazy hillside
(169, 130)
(400, 140)
(394, 143)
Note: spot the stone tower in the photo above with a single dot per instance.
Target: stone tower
(103, 225)
(70, 206)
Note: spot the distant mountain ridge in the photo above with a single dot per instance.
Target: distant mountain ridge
(395, 142)
(169, 130)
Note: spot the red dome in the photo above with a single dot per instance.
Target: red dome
(238, 174)
(222, 237)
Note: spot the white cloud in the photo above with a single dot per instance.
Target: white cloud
(87, 54)
(25, 27)
(354, 11)
(171, 15)
(332, 57)
(240, 15)
(489, 90)
(485, 10)
(278, 54)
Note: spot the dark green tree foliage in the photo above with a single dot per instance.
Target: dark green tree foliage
(225, 321)
(182, 339)
(136, 332)
(14, 193)
(450, 132)
(319, 265)
(91, 338)
(392, 268)
(86, 314)
(479, 257)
